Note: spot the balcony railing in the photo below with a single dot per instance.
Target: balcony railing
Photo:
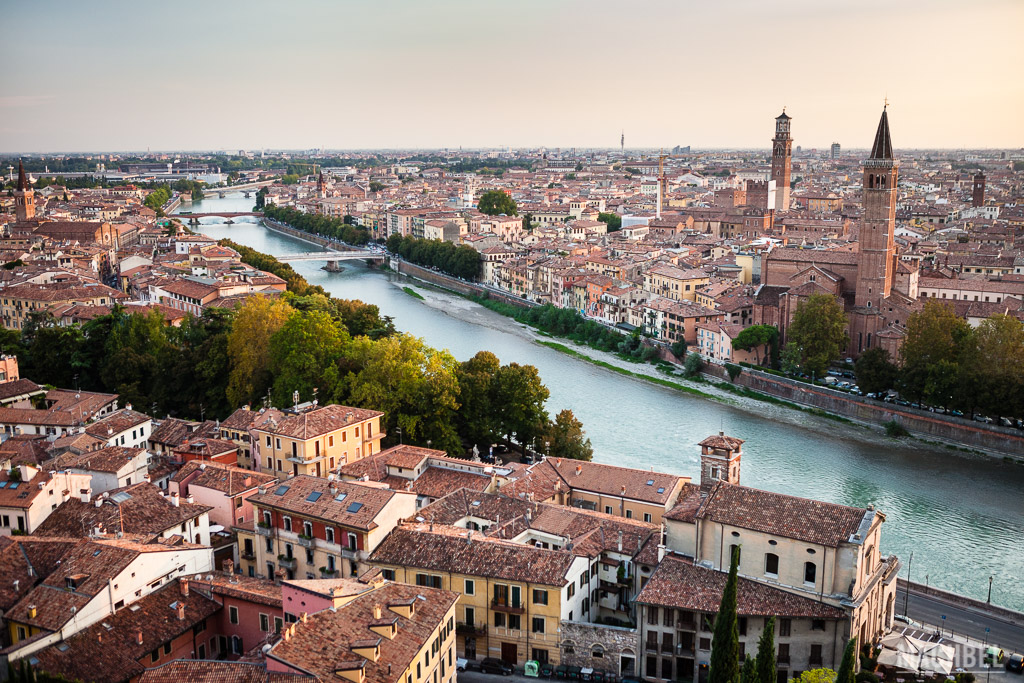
(471, 629)
(306, 541)
(264, 530)
(286, 562)
(507, 606)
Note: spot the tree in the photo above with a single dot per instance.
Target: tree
(261, 198)
(992, 367)
(749, 672)
(613, 220)
(692, 365)
(875, 372)
(678, 348)
(304, 354)
(790, 361)
(817, 676)
(565, 438)
(819, 331)
(376, 186)
(762, 337)
(496, 202)
(848, 666)
(518, 400)
(725, 644)
(765, 661)
(931, 349)
(477, 422)
(248, 347)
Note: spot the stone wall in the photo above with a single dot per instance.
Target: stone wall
(454, 284)
(991, 438)
(1003, 613)
(618, 647)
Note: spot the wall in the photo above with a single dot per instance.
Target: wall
(1000, 440)
(616, 642)
(454, 284)
(1003, 613)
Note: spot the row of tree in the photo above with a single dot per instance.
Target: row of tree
(943, 362)
(458, 261)
(334, 350)
(319, 224)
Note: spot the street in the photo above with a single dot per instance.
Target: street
(962, 621)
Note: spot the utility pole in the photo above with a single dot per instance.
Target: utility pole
(989, 600)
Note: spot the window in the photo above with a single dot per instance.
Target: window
(705, 644)
(817, 624)
(652, 666)
(743, 626)
(428, 580)
(388, 574)
(540, 597)
(264, 623)
(514, 623)
(329, 533)
(783, 653)
(647, 517)
(810, 573)
(233, 614)
(785, 626)
(629, 514)
(307, 529)
(470, 615)
(499, 619)
(608, 510)
(278, 624)
(771, 564)
(570, 591)
(815, 658)
(470, 587)
(287, 523)
(538, 625)
(330, 441)
(236, 645)
(167, 648)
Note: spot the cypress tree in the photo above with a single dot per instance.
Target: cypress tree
(725, 645)
(749, 673)
(848, 667)
(766, 653)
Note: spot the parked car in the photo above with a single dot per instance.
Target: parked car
(1015, 663)
(493, 665)
(460, 663)
(904, 619)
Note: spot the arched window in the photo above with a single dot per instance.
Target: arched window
(771, 564)
(810, 572)
(597, 652)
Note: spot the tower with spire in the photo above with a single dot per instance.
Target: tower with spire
(24, 197)
(321, 187)
(782, 160)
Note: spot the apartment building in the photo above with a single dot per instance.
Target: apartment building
(313, 527)
(316, 441)
(675, 283)
(28, 496)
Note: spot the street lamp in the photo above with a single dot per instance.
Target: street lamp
(399, 430)
(989, 600)
(906, 593)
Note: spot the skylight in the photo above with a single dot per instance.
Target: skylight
(281, 490)
(121, 497)
(3, 484)
(14, 485)
(313, 497)
(354, 507)
(650, 482)
(340, 497)
(661, 489)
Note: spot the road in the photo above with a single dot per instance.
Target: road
(962, 621)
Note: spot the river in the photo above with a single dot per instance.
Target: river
(961, 514)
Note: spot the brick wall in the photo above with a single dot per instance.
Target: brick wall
(617, 646)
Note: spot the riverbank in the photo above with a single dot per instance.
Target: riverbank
(782, 392)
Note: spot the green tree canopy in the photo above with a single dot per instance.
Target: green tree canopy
(248, 348)
(875, 372)
(496, 202)
(305, 353)
(760, 337)
(725, 643)
(613, 220)
(817, 676)
(565, 438)
(931, 353)
(477, 419)
(848, 666)
(819, 331)
(518, 400)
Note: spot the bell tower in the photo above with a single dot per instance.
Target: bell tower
(978, 194)
(720, 460)
(24, 197)
(782, 161)
(876, 259)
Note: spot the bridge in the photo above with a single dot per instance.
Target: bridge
(332, 256)
(246, 188)
(193, 218)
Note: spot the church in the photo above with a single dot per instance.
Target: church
(876, 289)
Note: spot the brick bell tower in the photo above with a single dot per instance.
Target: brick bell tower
(24, 197)
(782, 161)
(876, 260)
(978, 193)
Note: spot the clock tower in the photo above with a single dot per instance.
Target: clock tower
(24, 198)
(782, 161)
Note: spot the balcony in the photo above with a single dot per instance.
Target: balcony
(306, 541)
(651, 646)
(507, 606)
(326, 573)
(350, 553)
(248, 555)
(286, 562)
(264, 530)
(471, 629)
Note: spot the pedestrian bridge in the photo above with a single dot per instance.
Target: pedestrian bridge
(332, 256)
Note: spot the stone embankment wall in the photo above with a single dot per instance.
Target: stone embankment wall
(288, 230)
(1002, 440)
(613, 641)
(454, 284)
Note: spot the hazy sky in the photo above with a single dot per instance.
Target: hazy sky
(219, 74)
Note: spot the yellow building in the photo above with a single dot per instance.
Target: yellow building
(317, 441)
(675, 283)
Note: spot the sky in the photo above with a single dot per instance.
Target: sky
(352, 74)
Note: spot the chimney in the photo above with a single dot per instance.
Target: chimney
(181, 611)
(620, 541)
(376, 611)
(175, 500)
(304, 617)
(138, 637)
(99, 502)
(84, 495)
(31, 611)
(469, 536)
(229, 566)
(184, 587)
(191, 499)
(278, 576)
(17, 582)
(579, 470)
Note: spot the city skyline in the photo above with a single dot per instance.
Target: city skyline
(400, 76)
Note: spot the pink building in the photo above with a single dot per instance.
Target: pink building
(225, 488)
(250, 610)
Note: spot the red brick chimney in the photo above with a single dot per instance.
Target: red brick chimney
(181, 611)
(184, 586)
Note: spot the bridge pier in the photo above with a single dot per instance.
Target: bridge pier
(222, 194)
(193, 220)
(333, 267)
(248, 194)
